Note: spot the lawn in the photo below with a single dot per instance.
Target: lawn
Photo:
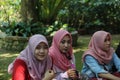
(7, 57)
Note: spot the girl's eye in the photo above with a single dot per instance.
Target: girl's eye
(45, 47)
(40, 47)
(107, 40)
(63, 42)
(69, 42)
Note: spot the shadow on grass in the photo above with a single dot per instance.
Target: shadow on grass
(6, 57)
(79, 50)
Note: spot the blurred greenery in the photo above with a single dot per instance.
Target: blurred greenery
(6, 57)
(28, 17)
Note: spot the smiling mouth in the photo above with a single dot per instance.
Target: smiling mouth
(65, 49)
(41, 55)
(108, 46)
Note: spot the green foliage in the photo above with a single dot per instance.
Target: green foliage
(26, 30)
(49, 9)
(9, 10)
(104, 15)
(92, 14)
(74, 13)
(49, 29)
(16, 29)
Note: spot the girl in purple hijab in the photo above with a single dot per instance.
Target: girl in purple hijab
(33, 63)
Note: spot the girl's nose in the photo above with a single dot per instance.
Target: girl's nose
(66, 44)
(41, 50)
(108, 42)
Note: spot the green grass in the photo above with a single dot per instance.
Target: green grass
(6, 57)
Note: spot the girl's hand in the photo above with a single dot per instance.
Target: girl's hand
(49, 75)
(72, 73)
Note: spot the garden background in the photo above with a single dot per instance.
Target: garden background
(19, 19)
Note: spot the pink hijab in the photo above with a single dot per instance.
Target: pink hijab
(95, 48)
(36, 68)
(59, 59)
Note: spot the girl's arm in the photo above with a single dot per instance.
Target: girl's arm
(20, 71)
(98, 69)
(108, 76)
(116, 61)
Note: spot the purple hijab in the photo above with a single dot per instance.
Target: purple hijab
(36, 68)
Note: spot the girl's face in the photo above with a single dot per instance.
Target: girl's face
(41, 51)
(107, 43)
(65, 44)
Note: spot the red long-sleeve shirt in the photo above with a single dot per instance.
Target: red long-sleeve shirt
(20, 71)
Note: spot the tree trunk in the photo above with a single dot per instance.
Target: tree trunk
(29, 11)
(23, 11)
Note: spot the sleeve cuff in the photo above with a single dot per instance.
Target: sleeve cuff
(64, 75)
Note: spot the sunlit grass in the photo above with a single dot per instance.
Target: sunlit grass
(6, 57)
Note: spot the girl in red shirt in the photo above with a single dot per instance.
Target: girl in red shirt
(33, 63)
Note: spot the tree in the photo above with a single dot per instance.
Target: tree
(44, 11)
(29, 11)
